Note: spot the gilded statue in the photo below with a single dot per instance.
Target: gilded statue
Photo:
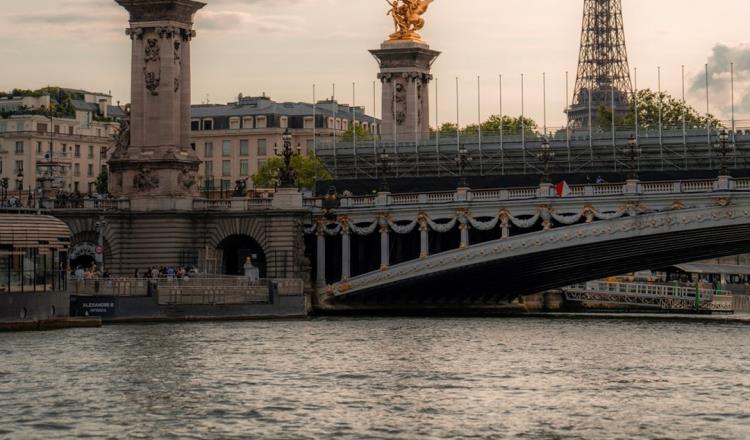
(407, 18)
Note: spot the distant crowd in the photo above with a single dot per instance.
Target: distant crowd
(168, 272)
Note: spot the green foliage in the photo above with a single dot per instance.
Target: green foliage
(362, 134)
(672, 111)
(510, 125)
(307, 168)
(63, 107)
(102, 182)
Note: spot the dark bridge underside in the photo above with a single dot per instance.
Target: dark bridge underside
(507, 279)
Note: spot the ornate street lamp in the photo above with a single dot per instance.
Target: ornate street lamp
(545, 156)
(286, 173)
(99, 257)
(463, 159)
(723, 149)
(383, 165)
(633, 153)
(19, 183)
(4, 190)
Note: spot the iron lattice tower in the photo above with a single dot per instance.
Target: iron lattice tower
(603, 72)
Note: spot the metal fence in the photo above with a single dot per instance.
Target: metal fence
(669, 148)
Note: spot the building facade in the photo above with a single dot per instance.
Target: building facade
(70, 151)
(237, 139)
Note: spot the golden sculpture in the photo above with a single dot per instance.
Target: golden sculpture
(407, 18)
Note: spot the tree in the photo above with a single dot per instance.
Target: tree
(510, 126)
(362, 134)
(672, 111)
(306, 169)
(102, 182)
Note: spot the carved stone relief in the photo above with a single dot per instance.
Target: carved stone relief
(152, 66)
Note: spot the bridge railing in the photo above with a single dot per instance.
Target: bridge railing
(649, 290)
(236, 204)
(540, 192)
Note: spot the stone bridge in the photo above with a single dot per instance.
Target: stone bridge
(496, 245)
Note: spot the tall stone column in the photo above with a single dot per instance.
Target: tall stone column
(424, 238)
(346, 252)
(405, 75)
(155, 167)
(385, 245)
(321, 275)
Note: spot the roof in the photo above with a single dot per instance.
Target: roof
(265, 106)
(116, 111)
(717, 269)
(85, 106)
(33, 231)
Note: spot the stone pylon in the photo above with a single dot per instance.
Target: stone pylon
(405, 75)
(156, 167)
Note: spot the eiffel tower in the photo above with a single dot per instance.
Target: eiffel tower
(603, 73)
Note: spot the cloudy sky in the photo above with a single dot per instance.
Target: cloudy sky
(283, 47)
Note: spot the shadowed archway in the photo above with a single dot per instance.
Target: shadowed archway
(236, 249)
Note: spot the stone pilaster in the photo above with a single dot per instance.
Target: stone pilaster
(405, 75)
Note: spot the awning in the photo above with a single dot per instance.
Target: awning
(715, 269)
(24, 231)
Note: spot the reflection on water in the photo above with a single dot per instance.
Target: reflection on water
(381, 378)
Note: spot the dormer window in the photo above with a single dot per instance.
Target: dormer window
(284, 122)
(309, 121)
(208, 124)
(260, 122)
(247, 122)
(234, 123)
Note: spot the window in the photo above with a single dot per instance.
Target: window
(310, 144)
(247, 122)
(90, 171)
(77, 169)
(91, 151)
(195, 125)
(226, 149)
(209, 167)
(103, 153)
(226, 168)
(192, 145)
(208, 124)
(57, 129)
(64, 148)
(262, 147)
(38, 147)
(19, 166)
(70, 130)
(208, 150)
(77, 152)
(41, 128)
(1, 167)
(284, 122)
(19, 147)
(244, 147)
(76, 187)
(260, 122)
(91, 188)
(261, 163)
(243, 168)
(234, 123)
(309, 122)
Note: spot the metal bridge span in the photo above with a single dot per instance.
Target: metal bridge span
(540, 242)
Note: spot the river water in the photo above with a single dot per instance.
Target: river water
(381, 378)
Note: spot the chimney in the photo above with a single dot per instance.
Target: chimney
(103, 107)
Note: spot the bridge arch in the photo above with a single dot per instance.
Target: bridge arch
(234, 252)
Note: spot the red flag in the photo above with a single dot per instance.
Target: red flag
(562, 189)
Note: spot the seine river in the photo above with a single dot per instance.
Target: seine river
(381, 378)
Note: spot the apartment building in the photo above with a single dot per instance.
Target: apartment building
(71, 150)
(236, 139)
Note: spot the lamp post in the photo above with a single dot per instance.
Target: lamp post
(4, 190)
(100, 225)
(723, 149)
(463, 159)
(19, 183)
(633, 153)
(545, 155)
(286, 174)
(384, 164)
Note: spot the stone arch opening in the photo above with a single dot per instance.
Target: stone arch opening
(82, 254)
(236, 249)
